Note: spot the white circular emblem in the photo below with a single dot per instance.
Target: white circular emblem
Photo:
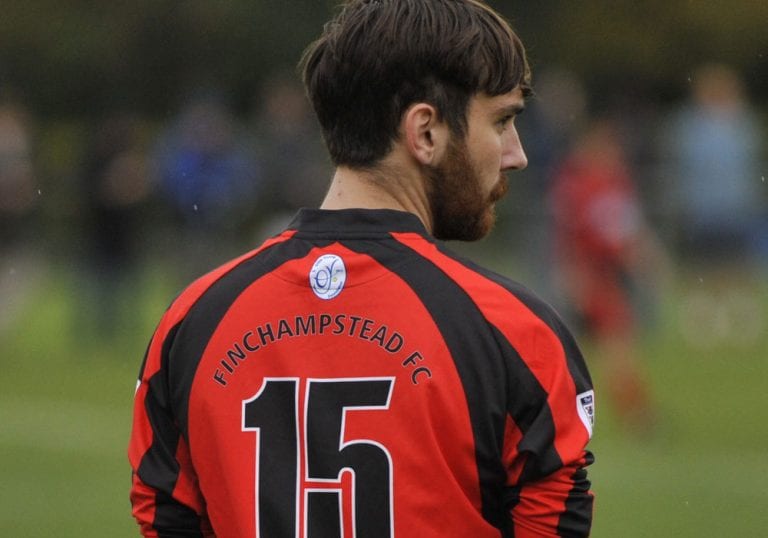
(328, 276)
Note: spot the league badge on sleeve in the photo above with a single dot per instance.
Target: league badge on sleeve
(585, 405)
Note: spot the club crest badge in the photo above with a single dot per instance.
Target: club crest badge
(585, 406)
(328, 276)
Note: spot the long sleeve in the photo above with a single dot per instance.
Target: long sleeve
(164, 494)
(557, 505)
(548, 489)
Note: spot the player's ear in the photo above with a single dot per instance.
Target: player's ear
(426, 135)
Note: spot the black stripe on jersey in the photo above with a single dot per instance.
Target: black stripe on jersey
(527, 399)
(159, 467)
(144, 361)
(170, 387)
(577, 518)
(487, 364)
(546, 313)
(161, 456)
(202, 319)
(169, 513)
(511, 499)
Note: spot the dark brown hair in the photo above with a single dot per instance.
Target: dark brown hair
(378, 57)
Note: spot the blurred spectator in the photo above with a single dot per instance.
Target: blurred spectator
(211, 180)
(296, 166)
(115, 189)
(605, 253)
(556, 113)
(17, 179)
(717, 144)
(18, 198)
(721, 204)
(553, 116)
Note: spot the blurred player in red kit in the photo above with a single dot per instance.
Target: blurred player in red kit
(603, 249)
(352, 376)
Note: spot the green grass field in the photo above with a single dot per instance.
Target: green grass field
(65, 412)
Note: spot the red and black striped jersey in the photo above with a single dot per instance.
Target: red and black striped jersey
(353, 378)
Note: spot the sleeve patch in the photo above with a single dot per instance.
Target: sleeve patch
(585, 406)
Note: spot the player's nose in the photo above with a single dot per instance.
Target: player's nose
(513, 156)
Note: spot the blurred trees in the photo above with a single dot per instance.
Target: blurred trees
(648, 47)
(81, 56)
(70, 64)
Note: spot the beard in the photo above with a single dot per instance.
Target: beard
(460, 209)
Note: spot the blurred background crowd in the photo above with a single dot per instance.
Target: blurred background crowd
(161, 138)
(150, 133)
(148, 136)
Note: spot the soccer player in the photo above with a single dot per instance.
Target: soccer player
(605, 252)
(352, 377)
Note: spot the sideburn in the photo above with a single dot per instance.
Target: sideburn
(460, 211)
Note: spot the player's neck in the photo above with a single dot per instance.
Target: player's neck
(387, 187)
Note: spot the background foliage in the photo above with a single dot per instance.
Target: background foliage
(75, 57)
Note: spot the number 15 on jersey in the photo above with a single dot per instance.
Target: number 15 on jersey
(301, 459)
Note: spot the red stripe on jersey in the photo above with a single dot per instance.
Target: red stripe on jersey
(541, 350)
(540, 504)
(440, 465)
(141, 439)
(187, 489)
(143, 502)
(538, 346)
(189, 297)
(142, 436)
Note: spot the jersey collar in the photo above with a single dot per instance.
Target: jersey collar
(356, 221)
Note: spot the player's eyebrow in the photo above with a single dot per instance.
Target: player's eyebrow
(514, 109)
